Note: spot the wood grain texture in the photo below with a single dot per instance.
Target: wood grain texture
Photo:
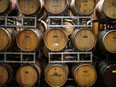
(55, 6)
(30, 7)
(85, 6)
(7, 38)
(29, 39)
(68, 30)
(107, 40)
(109, 7)
(28, 75)
(4, 4)
(56, 74)
(85, 75)
(6, 74)
(55, 39)
(83, 39)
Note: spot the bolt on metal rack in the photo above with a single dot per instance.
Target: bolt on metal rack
(82, 22)
(19, 55)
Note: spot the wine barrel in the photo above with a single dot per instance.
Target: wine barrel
(56, 74)
(96, 27)
(42, 26)
(56, 7)
(29, 39)
(82, 7)
(6, 74)
(107, 41)
(45, 51)
(28, 74)
(8, 7)
(107, 73)
(68, 30)
(55, 39)
(85, 74)
(72, 16)
(105, 10)
(7, 38)
(43, 15)
(30, 7)
(83, 39)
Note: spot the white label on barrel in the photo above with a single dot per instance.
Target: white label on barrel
(55, 44)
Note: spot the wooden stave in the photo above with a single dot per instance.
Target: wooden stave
(12, 9)
(66, 37)
(73, 35)
(36, 67)
(64, 66)
(37, 13)
(76, 66)
(103, 68)
(9, 69)
(12, 35)
(76, 12)
(59, 13)
(101, 38)
(39, 36)
(101, 16)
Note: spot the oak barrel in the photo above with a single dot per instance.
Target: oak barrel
(56, 74)
(9, 7)
(45, 51)
(56, 7)
(29, 39)
(83, 7)
(6, 74)
(107, 41)
(97, 27)
(85, 74)
(55, 39)
(83, 39)
(69, 30)
(42, 26)
(30, 7)
(107, 72)
(28, 74)
(105, 10)
(7, 38)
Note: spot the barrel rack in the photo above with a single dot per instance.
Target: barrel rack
(76, 58)
(81, 22)
(19, 55)
(22, 19)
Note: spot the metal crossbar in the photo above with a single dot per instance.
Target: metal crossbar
(82, 21)
(75, 58)
(6, 57)
(23, 21)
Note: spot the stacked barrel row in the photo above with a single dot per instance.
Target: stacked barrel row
(97, 39)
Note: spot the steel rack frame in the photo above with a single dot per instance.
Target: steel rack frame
(82, 21)
(20, 57)
(22, 20)
(76, 58)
